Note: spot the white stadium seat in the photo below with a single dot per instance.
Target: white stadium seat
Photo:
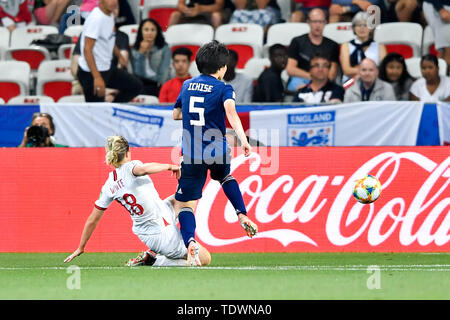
(413, 66)
(341, 32)
(14, 79)
(21, 48)
(54, 79)
(4, 39)
(193, 71)
(30, 100)
(428, 42)
(283, 33)
(401, 37)
(255, 66)
(2, 101)
(189, 35)
(245, 39)
(160, 10)
(131, 31)
(145, 99)
(73, 31)
(72, 99)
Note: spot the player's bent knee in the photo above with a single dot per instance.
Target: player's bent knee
(226, 179)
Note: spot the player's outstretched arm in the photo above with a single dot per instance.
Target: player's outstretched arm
(150, 168)
(89, 227)
(235, 122)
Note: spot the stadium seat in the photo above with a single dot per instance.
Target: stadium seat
(21, 48)
(341, 32)
(4, 40)
(72, 99)
(198, 34)
(14, 79)
(245, 39)
(255, 66)
(30, 100)
(160, 10)
(145, 99)
(74, 32)
(404, 38)
(193, 71)
(131, 31)
(413, 66)
(54, 79)
(2, 101)
(65, 51)
(283, 33)
(428, 42)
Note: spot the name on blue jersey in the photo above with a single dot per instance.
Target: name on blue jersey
(200, 87)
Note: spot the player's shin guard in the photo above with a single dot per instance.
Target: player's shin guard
(187, 225)
(233, 193)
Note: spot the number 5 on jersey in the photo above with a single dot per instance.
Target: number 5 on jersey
(199, 110)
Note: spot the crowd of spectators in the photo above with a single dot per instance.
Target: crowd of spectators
(319, 70)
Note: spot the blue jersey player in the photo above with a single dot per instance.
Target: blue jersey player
(202, 105)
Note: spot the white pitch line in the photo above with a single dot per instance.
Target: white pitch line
(433, 267)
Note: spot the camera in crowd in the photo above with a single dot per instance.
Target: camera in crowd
(37, 136)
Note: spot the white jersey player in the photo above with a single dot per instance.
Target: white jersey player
(154, 220)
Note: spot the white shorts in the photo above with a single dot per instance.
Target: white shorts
(441, 30)
(169, 242)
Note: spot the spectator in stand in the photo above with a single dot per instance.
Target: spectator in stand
(303, 7)
(96, 72)
(437, 14)
(353, 52)
(150, 57)
(303, 47)
(181, 61)
(242, 84)
(43, 137)
(403, 11)
(49, 12)
(344, 10)
(213, 12)
(262, 14)
(320, 89)
(269, 86)
(432, 87)
(368, 87)
(122, 42)
(393, 70)
(14, 13)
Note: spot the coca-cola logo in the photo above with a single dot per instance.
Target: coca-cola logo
(318, 208)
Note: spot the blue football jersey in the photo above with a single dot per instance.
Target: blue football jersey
(201, 100)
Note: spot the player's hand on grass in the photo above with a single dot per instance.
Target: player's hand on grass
(249, 226)
(176, 170)
(75, 254)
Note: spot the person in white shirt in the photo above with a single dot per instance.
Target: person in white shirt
(432, 87)
(154, 220)
(95, 71)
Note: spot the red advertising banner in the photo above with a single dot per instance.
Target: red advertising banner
(301, 199)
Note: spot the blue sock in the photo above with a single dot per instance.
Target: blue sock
(187, 225)
(233, 193)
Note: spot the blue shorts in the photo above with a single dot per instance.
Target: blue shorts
(193, 176)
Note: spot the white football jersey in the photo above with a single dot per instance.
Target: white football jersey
(137, 195)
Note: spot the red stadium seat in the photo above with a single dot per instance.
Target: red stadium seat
(160, 10)
(401, 37)
(198, 34)
(245, 39)
(14, 79)
(54, 79)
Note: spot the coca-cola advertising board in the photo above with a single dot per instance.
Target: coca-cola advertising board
(301, 199)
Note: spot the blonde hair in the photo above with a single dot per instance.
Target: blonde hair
(116, 149)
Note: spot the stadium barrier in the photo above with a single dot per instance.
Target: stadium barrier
(301, 198)
(356, 124)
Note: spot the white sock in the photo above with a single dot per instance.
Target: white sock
(163, 261)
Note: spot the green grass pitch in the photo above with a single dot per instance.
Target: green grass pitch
(256, 276)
